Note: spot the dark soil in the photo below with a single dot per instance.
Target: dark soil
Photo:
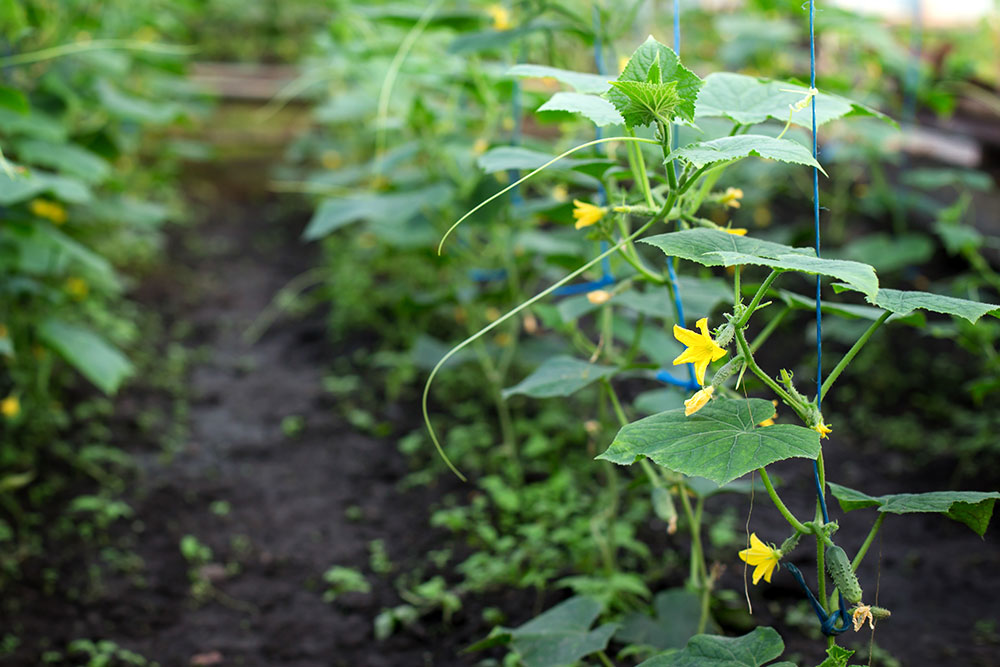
(289, 497)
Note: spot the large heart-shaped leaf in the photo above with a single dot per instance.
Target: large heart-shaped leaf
(973, 508)
(726, 149)
(748, 100)
(757, 648)
(582, 82)
(720, 442)
(675, 621)
(560, 376)
(560, 636)
(703, 245)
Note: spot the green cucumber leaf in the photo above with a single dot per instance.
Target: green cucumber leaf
(755, 649)
(596, 109)
(903, 302)
(95, 358)
(336, 212)
(581, 82)
(849, 311)
(748, 100)
(726, 149)
(502, 158)
(66, 158)
(860, 277)
(703, 246)
(973, 508)
(559, 636)
(645, 103)
(560, 376)
(656, 63)
(675, 621)
(720, 442)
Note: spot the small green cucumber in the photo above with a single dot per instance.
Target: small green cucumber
(838, 565)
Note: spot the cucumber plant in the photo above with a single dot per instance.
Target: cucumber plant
(657, 228)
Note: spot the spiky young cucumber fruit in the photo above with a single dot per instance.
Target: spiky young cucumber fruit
(838, 565)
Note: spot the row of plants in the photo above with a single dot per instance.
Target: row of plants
(84, 89)
(586, 270)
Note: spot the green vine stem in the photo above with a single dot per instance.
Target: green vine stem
(858, 557)
(789, 517)
(742, 322)
(851, 353)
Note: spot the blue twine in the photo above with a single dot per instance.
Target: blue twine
(828, 622)
(819, 312)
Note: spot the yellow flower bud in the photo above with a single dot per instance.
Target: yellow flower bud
(731, 197)
(598, 297)
(500, 16)
(586, 214)
(698, 401)
(10, 407)
(77, 288)
(49, 210)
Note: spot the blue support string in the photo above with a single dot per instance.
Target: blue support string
(828, 622)
(819, 311)
(671, 273)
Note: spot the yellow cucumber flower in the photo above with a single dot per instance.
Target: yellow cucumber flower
(731, 197)
(698, 401)
(736, 231)
(77, 287)
(764, 558)
(586, 214)
(49, 210)
(500, 16)
(824, 430)
(10, 407)
(770, 420)
(701, 349)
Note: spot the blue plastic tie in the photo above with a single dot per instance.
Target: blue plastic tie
(487, 275)
(666, 378)
(827, 622)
